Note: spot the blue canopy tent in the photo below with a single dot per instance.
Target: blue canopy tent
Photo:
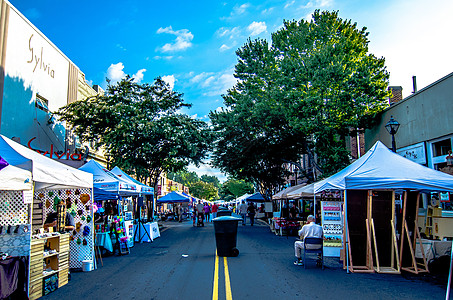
(107, 181)
(101, 195)
(174, 197)
(142, 188)
(257, 197)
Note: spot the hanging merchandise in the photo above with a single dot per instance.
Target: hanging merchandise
(84, 198)
(79, 250)
(86, 230)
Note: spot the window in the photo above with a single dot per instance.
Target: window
(441, 148)
(438, 167)
(42, 103)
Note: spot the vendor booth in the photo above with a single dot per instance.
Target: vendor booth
(33, 187)
(119, 212)
(376, 237)
(141, 230)
(289, 213)
(144, 204)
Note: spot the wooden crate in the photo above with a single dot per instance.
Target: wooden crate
(36, 288)
(63, 277)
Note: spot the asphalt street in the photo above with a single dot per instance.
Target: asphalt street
(182, 264)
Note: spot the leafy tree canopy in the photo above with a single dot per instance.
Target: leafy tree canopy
(184, 177)
(312, 87)
(204, 190)
(140, 128)
(233, 188)
(211, 179)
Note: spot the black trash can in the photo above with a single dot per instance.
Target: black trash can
(226, 229)
(223, 212)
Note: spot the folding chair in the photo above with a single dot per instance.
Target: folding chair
(313, 241)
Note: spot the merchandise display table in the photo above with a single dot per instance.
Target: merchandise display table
(433, 249)
(141, 235)
(103, 240)
(283, 226)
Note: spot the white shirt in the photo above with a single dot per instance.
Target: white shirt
(310, 230)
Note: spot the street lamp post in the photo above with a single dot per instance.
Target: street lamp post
(392, 127)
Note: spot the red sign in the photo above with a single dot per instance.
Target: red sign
(53, 154)
(159, 190)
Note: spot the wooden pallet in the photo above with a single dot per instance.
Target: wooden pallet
(416, 267)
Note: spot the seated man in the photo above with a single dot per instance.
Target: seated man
(311, 229)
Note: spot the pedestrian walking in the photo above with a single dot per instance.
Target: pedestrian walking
(207, 211)
(179, 211)
(243, 212)
(194, 215)
(200, 215)
(251, 211)
(214, 210)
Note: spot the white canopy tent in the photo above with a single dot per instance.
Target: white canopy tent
(380, 168)
(289, 192)
(46, 173)
(15, 179)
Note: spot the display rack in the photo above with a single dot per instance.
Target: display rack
(49, 264)
(430, 213)
(332, 223)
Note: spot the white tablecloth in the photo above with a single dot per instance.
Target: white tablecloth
(433, 249)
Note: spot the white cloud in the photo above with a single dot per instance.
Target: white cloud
(121, 47)
(115, 73)
(288, 4)
(182, 41)
(224, 48)
(267, 11)
(227, 32)
(198, 78)
(315, 4)
(239, 10)
(208, 81)
(214, 84)
(170, 79)
(138, 77)
(257, 27)
(206, 169)
(168, 57)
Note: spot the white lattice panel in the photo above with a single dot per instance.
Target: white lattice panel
(79, 203)
(13, 211)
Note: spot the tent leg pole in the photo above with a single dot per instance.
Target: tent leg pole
(346, 227)
(449, 276)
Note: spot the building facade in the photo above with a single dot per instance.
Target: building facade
(425, 134)
(36, 79)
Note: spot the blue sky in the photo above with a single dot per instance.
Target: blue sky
(192, 44)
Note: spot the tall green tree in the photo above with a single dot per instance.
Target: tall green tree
(308, 91)
(211, 179)
(139, 128)
(184, 177)
(331, 82)
(204, 190)
(233, 188)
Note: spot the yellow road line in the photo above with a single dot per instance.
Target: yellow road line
(229, 296)
(215, 289)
